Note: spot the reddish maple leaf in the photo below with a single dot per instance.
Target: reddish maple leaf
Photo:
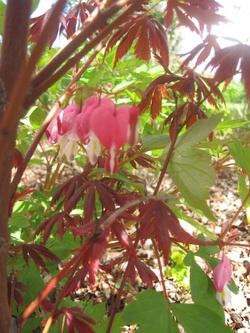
(14, 288)
(122, 236)
(36, 252)
(201, 52)
(146, 274)
(176, 120)
(157, 220)
(148, 35)
(75, 318)
(17, 158)
(150, 93)
(75, 17)
(91, 190)
(59, 219)
(136, 157)
(68, 188)
(204, 12)
(193, 85)
(75, 282)
(197, 86)
(94, 255)
(38, 24)
(232, 60)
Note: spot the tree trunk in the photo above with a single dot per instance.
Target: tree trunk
(13, 57)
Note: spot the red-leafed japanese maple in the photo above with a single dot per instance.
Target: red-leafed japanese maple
(108, 116)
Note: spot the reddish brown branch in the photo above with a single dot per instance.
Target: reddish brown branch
(14, 45)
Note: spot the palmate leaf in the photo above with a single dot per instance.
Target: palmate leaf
(192, 173)
(148, 36)
(189, 11)
(201, 52)
(231, 60)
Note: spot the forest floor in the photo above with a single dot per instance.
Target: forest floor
(224, 202)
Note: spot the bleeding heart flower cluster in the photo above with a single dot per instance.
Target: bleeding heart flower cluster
(98, 123)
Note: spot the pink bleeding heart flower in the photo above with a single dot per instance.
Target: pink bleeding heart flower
(222, 274)
(133, 125)
(83, 129)
(83, 118)
(66, 120)
(52, 129)
(61, 130)
(111, 127)
(222, 277)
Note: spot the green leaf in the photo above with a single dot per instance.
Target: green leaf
(96, 312)
(35, 4)
(202, 289)
(149, 311)
(241, 154)
(206, 253)
(2, 13)
(243, 190)
(30, 276)
(228, 124)
(198, 131)
(18, 220)
(31, 325)
(192, 173)
(116, 326)
(152, 142)
(198, 319)
(62, 248)
(122, 177)
(36, 118)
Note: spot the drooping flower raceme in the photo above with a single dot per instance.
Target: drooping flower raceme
(99, 123)
(221, 278)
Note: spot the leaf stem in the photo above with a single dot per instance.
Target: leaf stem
(167, 160)
(160, 268)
